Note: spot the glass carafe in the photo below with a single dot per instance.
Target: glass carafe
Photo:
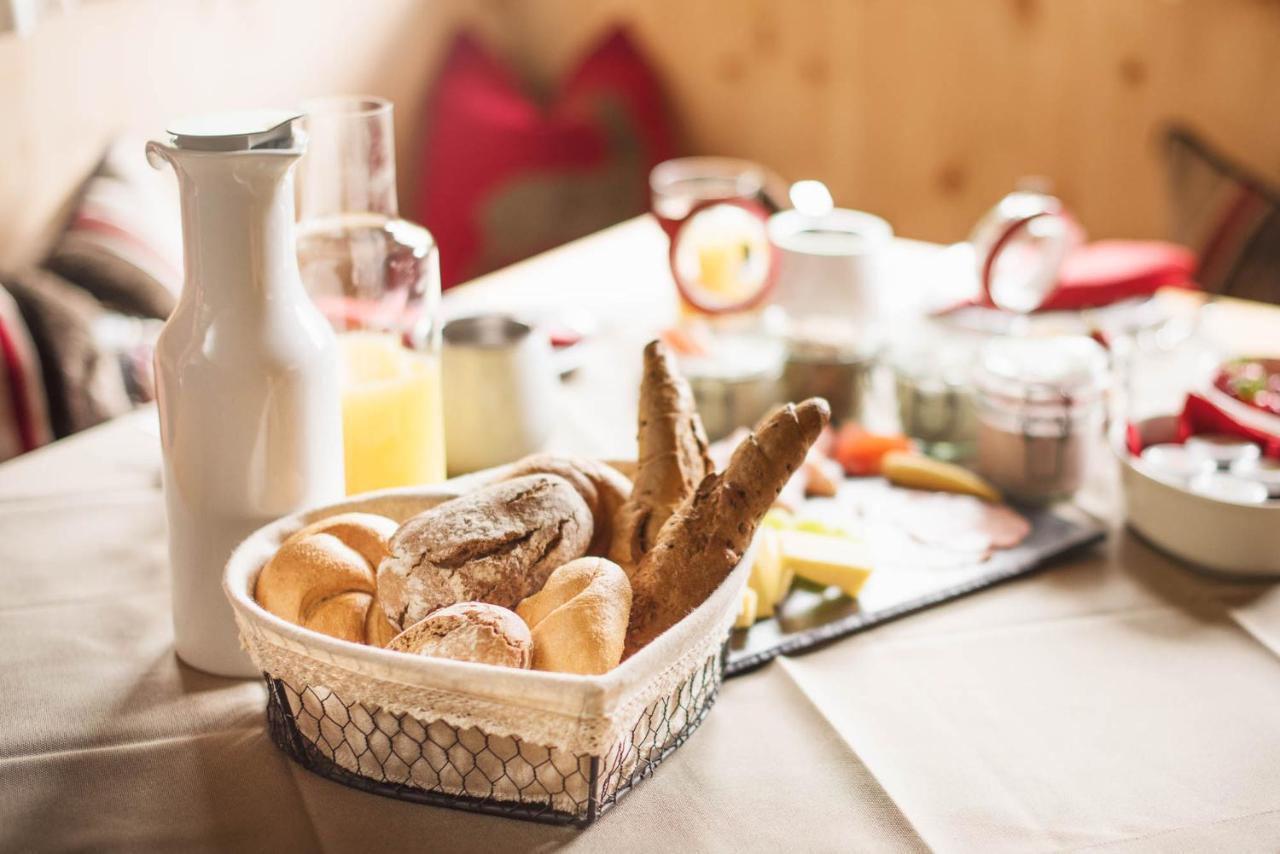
(376, 278)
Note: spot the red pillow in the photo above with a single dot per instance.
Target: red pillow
(502, 178)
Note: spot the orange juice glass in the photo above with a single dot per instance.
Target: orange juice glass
(376, 277)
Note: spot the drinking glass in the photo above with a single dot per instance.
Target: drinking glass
(376, 277)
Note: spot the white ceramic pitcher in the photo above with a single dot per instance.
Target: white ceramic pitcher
(246, 372)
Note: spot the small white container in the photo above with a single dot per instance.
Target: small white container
(1240, 541)
(1224, 450)
(1175, 464)
(1265, 471)
(1228, 487)
(831, 265)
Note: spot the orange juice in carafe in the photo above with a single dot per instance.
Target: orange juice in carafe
(392, 416)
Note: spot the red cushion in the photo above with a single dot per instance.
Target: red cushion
(503, 178)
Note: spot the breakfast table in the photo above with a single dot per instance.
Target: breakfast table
(1115, 701)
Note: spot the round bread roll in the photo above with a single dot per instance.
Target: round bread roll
(602, 487)
(579, 618)
(323, 577)
(497, 544)
(470, 631)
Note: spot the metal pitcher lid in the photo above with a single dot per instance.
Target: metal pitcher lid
(244, 130)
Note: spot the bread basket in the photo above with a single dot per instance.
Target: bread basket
(551, 747)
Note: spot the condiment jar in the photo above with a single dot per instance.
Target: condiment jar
(827, 358)
(933, 382)
(1040, 411)
(736, 381)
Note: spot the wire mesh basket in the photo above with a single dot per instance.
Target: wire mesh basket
(549, 747)
(434, 762)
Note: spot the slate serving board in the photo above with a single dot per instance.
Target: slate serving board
(809, 618)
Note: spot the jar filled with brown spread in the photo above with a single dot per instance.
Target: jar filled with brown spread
(1041, 408)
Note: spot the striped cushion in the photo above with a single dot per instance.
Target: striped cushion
(24, 417)
(1230, 217)
(123, 242)
(83, 383)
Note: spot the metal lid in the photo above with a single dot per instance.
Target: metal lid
(246, 130)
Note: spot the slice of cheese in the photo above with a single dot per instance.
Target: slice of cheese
(778, 519)
(832, 561)
(747, 616)
(916, 471)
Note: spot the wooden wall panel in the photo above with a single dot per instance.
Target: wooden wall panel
(116, 66)
(926, 111)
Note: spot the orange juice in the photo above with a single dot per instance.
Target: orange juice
(392, 420)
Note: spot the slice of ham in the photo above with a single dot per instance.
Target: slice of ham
(961, 522)
(1006, 526)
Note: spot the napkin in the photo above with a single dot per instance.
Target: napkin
(1107, 271)
(1201, 415)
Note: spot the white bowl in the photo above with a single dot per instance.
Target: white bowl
(1239, 541)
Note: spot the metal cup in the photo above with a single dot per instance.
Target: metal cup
(499, 391)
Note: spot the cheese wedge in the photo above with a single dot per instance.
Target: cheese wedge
(831, 561)
(747, 616)
(766, 572)
(916, 471)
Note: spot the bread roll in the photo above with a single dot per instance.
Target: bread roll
(579, 618)
(497, 544)
(323, 577)
(602, 487)
(469, 631)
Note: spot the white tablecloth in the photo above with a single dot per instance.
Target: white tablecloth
(1115, 702)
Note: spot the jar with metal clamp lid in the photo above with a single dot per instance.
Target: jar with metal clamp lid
(1041, 408)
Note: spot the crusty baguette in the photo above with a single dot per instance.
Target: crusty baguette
(672, 459)
(706, 538)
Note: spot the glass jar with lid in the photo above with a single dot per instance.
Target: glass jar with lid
(1041, 409)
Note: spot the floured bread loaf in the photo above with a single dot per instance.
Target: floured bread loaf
(579, 618)
(323, 578)
(603, 488)
(470, 631)
(497, 544)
